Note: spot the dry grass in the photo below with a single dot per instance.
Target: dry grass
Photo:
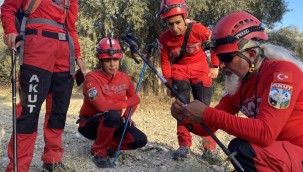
(152, 117)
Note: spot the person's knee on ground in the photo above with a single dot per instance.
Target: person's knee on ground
(244, 153)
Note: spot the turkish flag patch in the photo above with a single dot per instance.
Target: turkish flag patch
(283, 77)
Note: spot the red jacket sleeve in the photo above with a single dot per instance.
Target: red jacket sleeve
(214, 60)
(165, 60)
(207, 34)
(262, 130)
(132, 99)
(8, 10)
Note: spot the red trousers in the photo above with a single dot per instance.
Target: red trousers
(44, 74)
(187, 77)
(106, 129)
(281, 156)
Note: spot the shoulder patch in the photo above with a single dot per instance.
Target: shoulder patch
(280, 95)
(92, 93)
(283, 77)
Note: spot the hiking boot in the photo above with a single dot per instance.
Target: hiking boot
(102, 161)
(181, 152)
(56, 167)
(211, 156)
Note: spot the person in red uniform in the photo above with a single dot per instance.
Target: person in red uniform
(107, 92)
(191, 72)
(46, 70)
(261, 80)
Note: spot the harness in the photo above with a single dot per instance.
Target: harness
(22, 20)
(183, 47)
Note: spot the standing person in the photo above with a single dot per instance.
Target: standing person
(46, 69)
(261, 80)
(107, 92)
(187, 72)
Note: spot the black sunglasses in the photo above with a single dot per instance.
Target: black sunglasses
(227, 57)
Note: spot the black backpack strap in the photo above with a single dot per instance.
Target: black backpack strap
(183, 47)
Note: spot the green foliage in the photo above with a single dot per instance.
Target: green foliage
(289, 37)
(140, 18)
(5, 61)
(209, 12)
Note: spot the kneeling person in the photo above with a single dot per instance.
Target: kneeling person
(107, 92)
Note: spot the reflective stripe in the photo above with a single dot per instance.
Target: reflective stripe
(22, 33)
(71, 54)
(45, 21)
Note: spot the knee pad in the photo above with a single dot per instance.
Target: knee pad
(183, 89)
(111, 119)
(245, 153)
(202, 93)
(243, 148)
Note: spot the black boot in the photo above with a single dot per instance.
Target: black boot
(102, 162)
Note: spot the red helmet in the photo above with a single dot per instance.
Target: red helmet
(170, 8)
(109, 48)
(234, 31)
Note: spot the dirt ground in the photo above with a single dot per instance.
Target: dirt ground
(152, 117)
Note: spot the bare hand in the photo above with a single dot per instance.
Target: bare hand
(177, 110)
(194, 111)
(130, 122)
(10, 41)
(81, 65)
(213, 72)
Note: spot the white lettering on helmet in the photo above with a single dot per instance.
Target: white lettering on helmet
(113, 41)
(244, 32)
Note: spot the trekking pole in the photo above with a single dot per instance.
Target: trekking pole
(14, 90)
(13, 80)
(231, 156)
(149, 50)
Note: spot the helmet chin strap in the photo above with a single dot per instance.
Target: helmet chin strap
(184, 19)
(252, 65)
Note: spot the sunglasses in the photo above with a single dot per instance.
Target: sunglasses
(227, 57)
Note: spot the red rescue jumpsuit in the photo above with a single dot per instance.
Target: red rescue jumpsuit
(272, 136)
(191, 72)
(104, 99)
(45, 71)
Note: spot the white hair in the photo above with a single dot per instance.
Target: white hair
(232, 83)
(275, 52)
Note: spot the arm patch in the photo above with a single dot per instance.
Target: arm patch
(92, 93)
(280, 95)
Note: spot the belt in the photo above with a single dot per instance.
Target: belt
(83, 118)
(48, 34)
